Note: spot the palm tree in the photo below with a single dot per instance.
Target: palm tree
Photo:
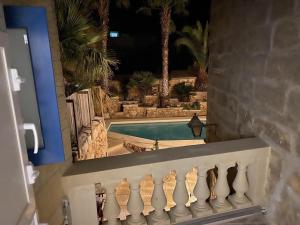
(102, 7)
(165, 8)
(82, 58)
(195, 40)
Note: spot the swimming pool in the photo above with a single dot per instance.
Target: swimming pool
(157, 130)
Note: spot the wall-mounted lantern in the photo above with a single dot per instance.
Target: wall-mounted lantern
(196, 126)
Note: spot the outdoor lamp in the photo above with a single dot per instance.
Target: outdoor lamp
(196, 126)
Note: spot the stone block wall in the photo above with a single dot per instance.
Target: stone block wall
(103, 104)
(177, 80)
(93, 142)
(254, 88)
(150, 100)
(198, 96)
(134, 111)
(48, 189)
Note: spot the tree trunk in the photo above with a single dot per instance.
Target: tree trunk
(202, 79)
(165, 18)
(103, 11)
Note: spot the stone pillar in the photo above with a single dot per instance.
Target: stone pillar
(220, 204)
(159, 201)
(240, 185)
(111, 207)
(200, 207)
(135, 204)
(180, 212)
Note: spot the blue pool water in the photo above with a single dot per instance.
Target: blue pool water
(157, 131)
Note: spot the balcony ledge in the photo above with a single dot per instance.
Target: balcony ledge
(122, 161)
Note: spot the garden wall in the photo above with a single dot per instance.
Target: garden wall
(135, 111)
(254, 88)
(88, 131)
(93, 142)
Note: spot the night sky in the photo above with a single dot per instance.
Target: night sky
(139, 45)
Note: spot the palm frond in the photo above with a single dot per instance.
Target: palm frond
(80, 45)
(195, 40)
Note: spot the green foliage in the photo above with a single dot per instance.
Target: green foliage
(193, 106)
(177, 6)
(83, 61)
(195, 40)
(182, 91)
(142, 81)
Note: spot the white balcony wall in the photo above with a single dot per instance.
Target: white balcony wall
(250, 155)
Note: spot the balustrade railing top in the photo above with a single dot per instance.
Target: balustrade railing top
(249, 158)
(135, 159)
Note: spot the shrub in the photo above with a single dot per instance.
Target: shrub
(182, 91)
(193, 106)
(142, 81)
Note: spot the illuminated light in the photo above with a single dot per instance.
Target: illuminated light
(114, 34)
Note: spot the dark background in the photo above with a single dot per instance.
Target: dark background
(139, 44)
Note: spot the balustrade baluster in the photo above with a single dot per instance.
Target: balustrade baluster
(135, 204)
(158, 201)
(220, 204)
(240, 185)
(180, 212)
(111, 207)
(202, 193)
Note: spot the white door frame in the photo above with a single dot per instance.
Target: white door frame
(29, 213)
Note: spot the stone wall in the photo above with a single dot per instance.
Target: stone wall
(198, 96)
(93, 142)
(135, 111)
(177, 80)
(151, 100)
(48, 184)
(254, 88)
(103, 104)
(89, 129)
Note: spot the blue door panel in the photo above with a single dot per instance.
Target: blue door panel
(34, 20)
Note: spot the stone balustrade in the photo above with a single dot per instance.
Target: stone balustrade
(249, 158)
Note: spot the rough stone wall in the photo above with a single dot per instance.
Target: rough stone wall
(198, 96)
(48, 190)
(254, 88)
(134, 111)
(177, 80)
(150, 100)
(93, 142)
(102, 101)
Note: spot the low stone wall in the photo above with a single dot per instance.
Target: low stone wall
(187, 80)
(134, 111)
(151, 100)
(200, 96)
(115, 105)
(170, 112)
(92, 143)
